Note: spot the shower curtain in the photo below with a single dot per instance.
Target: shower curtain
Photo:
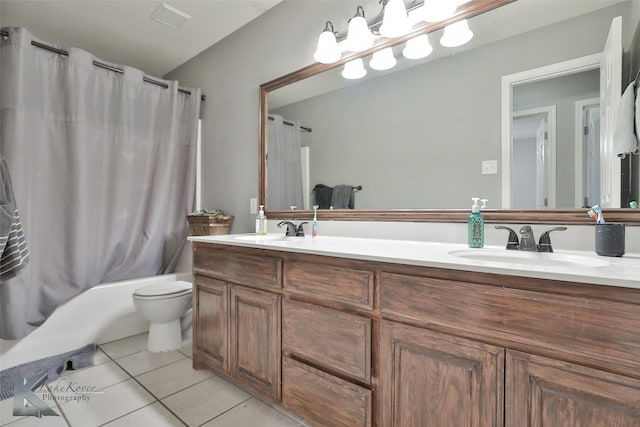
(284, 169)
(103, 168)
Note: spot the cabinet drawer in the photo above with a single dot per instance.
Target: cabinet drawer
(240, 267)
(327, 338)
(583, 329)
(333, 283)
(323, 400)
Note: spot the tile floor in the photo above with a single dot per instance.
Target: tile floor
(129, 386)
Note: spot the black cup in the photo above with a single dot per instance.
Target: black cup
(610, 239)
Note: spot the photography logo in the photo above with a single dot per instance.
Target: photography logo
(26, 402)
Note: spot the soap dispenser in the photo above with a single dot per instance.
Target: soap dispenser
(476, 225)
(261, 222)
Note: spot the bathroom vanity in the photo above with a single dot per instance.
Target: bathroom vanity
(366, 332)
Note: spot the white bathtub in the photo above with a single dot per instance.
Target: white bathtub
(100, 314)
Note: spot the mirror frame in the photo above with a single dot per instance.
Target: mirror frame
(503, 216)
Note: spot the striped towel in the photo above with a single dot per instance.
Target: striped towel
(14, 253)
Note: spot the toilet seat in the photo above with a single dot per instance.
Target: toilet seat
(164, 290)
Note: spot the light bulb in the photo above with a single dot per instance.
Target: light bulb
(359, 37)
(383, 59)
(354, 69)
(417, 47)
(395, 22)
(456, 34)
(327, 51)
(438, 10)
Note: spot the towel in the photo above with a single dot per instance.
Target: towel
(343, 197)
(625, 140)
(324, 194)
(14, 253)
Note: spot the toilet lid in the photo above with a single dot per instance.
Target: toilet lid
(168, 288)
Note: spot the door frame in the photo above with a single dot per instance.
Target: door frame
(579, 144)
(572, 66)
(550, 148)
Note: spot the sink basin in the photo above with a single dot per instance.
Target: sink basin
(261, 237)
(529, 258)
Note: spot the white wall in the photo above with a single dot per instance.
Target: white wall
(229, 73)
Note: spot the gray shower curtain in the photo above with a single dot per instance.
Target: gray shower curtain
(103, 168)
(284, 168)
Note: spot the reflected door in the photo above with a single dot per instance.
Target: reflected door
(610, 92)
(534, 172)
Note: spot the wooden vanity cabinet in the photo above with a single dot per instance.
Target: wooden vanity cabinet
(343, 342)
(237, 317)
(569, 354)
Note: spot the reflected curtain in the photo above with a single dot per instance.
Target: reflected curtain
(103, 168)
(284, 170)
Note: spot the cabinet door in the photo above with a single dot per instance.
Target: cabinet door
(210, 323)
(545, 392)
(431, 379)
(255, 340)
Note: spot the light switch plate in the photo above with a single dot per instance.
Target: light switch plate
(489, 167)
(253, 206)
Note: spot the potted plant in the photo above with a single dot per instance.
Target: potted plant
(205, 222)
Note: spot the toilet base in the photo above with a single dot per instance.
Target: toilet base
(165, 336)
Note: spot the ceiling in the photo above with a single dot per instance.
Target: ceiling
(122, 31)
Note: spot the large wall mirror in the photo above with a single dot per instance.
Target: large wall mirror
(418, 141)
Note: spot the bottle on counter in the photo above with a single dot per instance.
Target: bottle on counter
(261, 222)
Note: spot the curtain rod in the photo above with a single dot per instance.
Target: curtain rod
(101, 65)
(288, 123)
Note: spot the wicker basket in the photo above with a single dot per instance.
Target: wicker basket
(207, 225)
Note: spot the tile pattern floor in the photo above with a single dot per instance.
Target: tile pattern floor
(129, 386)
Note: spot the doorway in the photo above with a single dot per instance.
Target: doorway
(533, 147)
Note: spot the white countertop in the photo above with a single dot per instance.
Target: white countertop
(572, 266)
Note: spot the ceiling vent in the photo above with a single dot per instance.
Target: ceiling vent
(170, 16)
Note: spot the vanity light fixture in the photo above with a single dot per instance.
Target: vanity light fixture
(354, 69)
(383, 59)
(327, 51)
(417, 47)
(359, 37)
(395, 22)
(456, 34)
(438, 10)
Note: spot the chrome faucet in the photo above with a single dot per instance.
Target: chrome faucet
(292, 229)
(527, 241)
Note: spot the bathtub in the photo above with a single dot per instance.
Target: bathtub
(100, 314)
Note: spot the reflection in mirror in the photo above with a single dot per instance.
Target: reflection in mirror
(428, 133)
(548, 141)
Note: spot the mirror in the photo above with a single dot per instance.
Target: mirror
(441, 115)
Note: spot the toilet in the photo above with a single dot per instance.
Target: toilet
(163, 305)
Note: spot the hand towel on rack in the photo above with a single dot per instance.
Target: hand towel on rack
(343, 197)
(14, 253)
(323, 195)
(625, 140)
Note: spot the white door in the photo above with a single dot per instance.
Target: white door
(533, 150)
(610, 92)
(592, 154)
(541, 144)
